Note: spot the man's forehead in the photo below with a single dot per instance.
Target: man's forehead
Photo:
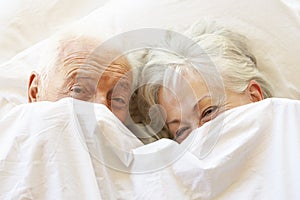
(96, 74)
(80, 62)
(88, 52)
(111, 76)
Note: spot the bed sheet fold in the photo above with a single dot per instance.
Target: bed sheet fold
(71, 149)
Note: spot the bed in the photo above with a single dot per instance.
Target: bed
(76, 150)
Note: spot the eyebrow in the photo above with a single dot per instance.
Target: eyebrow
(201, 99)
(78, 78)
(125, 85)
(73, 78)
(84, 77)
(175, 121)
(73, 74)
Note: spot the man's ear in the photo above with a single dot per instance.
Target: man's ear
(33, 87)
(254, 91)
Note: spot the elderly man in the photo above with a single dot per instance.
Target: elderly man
(66, 148)
(82, 70)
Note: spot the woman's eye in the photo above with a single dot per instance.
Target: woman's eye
(182, 132)
(209, 112)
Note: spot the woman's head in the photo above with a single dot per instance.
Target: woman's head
(215, 74)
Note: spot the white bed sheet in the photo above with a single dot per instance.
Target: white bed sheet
(77, 150)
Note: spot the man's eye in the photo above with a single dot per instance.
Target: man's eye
(80, 92)
(77, 90)
(118, 102)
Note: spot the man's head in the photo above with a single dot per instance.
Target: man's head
(76, 67)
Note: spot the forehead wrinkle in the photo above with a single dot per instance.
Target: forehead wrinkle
(86, 60)
(117, 71)
(80, 60)
(118, 82)
(76, 74)
(70, 77)
(76, 45)
(82, 53)
(124, 85)
(120, 65)
(79, 51)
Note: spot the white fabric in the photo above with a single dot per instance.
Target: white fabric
(23, 23)
(50, 151)
(78, 150)
(55, 150)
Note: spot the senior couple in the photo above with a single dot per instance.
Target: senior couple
(212, 74)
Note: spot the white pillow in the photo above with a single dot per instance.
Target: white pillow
(25, 23)
(272, 27)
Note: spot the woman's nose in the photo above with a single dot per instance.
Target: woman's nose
(191, 119)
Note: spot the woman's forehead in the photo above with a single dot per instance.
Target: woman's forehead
(184, 80)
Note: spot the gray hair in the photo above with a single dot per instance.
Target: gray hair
(226, 50)
(56, 52)
(231, 55)
(66, 47)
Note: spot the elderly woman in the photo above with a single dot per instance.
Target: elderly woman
(199, 79)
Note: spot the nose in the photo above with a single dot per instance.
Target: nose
(101, 99)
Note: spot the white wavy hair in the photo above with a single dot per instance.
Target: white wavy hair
(67, 46)
(212, 45)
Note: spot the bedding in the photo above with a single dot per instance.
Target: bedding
(77, 150)
(71, 149)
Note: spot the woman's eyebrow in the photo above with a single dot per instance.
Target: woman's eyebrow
(175, 121)
(201, 99)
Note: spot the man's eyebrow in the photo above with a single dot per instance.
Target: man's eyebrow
(83, 77)
(201, 99)
(76, 78)
(79, 79)
(124, 84)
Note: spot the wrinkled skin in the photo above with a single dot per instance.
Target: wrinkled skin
(84, 73)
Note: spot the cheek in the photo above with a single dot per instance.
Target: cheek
(51, 93)
(173, 128)
(53, 89)
(167, 100)
(120, 114)
(236, 99)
